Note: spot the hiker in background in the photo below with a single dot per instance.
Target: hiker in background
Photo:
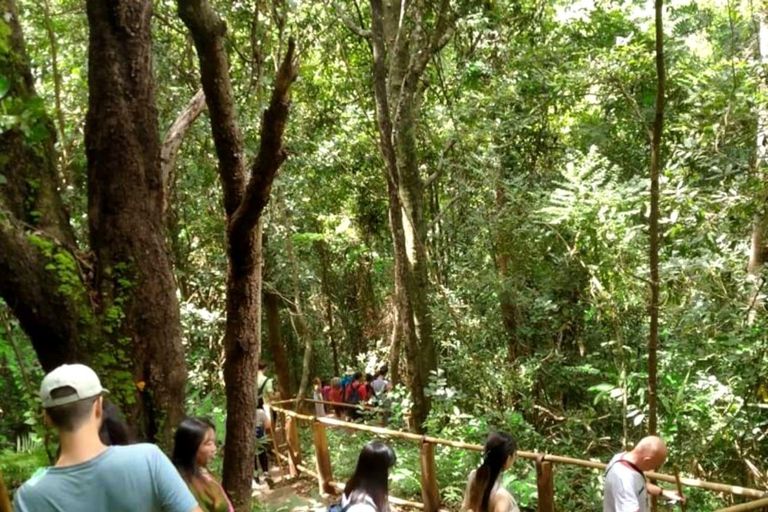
(317, 395)
(381, 388)
(368, 488)
(380, 384)
(368, 386)
(92, 477)
(346, 380)
(194, 447)
(336, 395)
(326, 390)
(625, 487)
(261, 460)
(484, 491)
(266, 389)
(355, 395)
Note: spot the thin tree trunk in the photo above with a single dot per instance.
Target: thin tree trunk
(61, 124)
(326, 287)
(758, 253)
(244, 202)
(272, 302)
(298, 318)
(175, 136)
(658, 125)
(394, 351)
(510, 312)
(402, 48)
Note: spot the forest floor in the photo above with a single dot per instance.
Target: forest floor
(294, 495)
(291, 494)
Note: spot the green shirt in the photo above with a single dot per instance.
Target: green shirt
(265, 390)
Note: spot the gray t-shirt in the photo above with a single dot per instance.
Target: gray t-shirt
(122, 479)
(624, 488)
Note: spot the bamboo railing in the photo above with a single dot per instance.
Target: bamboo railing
(429, 488)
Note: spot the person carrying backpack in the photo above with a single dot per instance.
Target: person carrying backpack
(355, 395)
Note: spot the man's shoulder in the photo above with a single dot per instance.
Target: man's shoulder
(34, 486)
(135, 450)
(132, 455)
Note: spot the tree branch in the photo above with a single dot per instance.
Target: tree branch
(173, 139)
(350, 24)
(208, 31)
(440, 167)
(50, 317)
(272, 154)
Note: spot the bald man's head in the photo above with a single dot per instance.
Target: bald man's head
(650, 453)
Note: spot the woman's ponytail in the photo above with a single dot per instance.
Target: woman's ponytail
(498, 448)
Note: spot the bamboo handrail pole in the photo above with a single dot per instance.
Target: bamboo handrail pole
(344, 404)
(689, 482)
(744, 507)
(281, 402)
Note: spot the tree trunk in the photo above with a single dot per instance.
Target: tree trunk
(325, 284)
(34, 226)
(758, 253)
(510, 312)
(298, 318)
(656, 133)
(244, 202)
(272, 313)
(402, 47)
(125, 207)
(115, 310)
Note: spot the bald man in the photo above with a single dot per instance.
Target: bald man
(625, 487)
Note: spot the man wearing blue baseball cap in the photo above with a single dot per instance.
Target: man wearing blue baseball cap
(89, 476)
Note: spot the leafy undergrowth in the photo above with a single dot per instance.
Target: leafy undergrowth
(576, 488)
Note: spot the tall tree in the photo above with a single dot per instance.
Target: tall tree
(403, 38)
(244, 202)
(758, 253)
(117, 307)
(656, 133)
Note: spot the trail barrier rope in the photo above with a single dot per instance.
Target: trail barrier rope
(429, 489)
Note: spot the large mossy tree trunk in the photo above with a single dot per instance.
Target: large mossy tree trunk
(125, 207)
(402, 45)
(116, 308)
(244, 202)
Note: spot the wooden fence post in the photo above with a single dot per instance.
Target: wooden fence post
(429, 492)
(545, 485)
(294, 448)
(323, 458)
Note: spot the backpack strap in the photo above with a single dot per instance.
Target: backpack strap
(264, 385)
(631, 466)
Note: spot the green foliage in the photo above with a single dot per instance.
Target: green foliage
(533, 122)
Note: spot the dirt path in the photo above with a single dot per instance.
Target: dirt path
(290, 495)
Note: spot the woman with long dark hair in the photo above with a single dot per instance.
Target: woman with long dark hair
(368, 488)
(484, 490)
(114, 431)
(194, 448)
